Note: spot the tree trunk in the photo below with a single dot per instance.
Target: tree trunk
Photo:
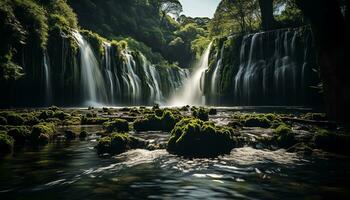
(267, 19)
(331, 38)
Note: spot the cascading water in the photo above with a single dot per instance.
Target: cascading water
(92, 83)
(130, 78)
(108, 71)
(274, 68)
(152, 80)
(47, 73)
(217, 73)
(192, 91)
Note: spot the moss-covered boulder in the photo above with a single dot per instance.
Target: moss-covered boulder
(14, 119)
(213, 111)
(155, 123)
(257, 121)
(3, 121)
(6, 143)
(116, 125)
(201, 113)
(70, 135)
(196, 138)
(332, 142)
(83, 135)
(93, 120)
(20, 134)
(117, 143)
(42, 133)
(284, 136)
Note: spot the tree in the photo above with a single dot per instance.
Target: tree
(331, 35)
(166, 7)
(267, 19)
(234, 16)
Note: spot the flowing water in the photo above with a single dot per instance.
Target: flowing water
(92, 83)
(47, 73)
(192, 92)
(72, 170)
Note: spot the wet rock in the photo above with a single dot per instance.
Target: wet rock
(196, 138)
(118, 143)
(70, 135)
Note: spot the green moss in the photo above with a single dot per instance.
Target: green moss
(257, 121)
(93, 121)
(195, 138)
(19, 133)
(118, 143)
(6, 143)
(315, 116)
(332, 142)
(14, 119)
(119, 125)
(42, 133)
(284, 136)
(155, 123)
(201, 113)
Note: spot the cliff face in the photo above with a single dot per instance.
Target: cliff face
(267, 68)
(47, 61)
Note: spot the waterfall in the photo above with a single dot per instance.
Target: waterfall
(192, 91)
(131, 79)
(108, 71)
(217, 73)
(47, 74)
(269, 69)
(152, 80)
(92, 83)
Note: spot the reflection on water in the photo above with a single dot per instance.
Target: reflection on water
(74, 171)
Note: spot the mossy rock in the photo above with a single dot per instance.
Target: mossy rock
(93, 121)
(70, 135)
(155, 123)
(201, 113)
(118, 143)
(196, 138)
(332, 142)
(213, 111)
(315, 116)
(6, 143)
(83, 135)
(3, 121)
(284, 136)
(42, 133)
(257, 121)
(116, 125)
(14, 119)
(30, 118)
(20, 134)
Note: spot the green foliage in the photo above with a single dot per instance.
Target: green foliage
(166, 122)
(195, 138)
(119, 125)
(6, 143)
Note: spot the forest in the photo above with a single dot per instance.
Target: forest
(140, 99)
